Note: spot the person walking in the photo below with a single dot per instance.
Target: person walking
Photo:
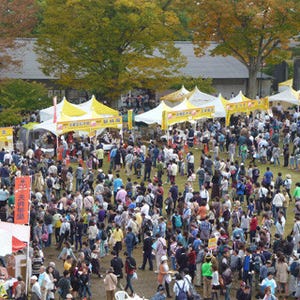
(163, 276)
(147, 252)
(207, 273)
(117, 264)
(110, 283)
(130, 267)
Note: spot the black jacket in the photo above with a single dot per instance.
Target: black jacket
(117, 264)
(147, 247)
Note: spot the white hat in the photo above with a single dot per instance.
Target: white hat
(69, 296)
(33, 277)
(163, 258)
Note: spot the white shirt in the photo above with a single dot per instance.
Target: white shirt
(278, 200)
(145, 209)
(204, 194)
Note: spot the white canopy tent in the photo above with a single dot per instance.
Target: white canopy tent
(240, 97)
(197, 95)
(67, 111)
(217, 102)
(287, 96)
(47, 113)
(154, 115)
(176, 96)
(5, 247)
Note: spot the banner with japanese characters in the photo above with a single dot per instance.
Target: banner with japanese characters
(22, 197)
(245, 107)
(89, 124)
(173, 117)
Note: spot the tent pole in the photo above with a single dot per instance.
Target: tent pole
(28, 242)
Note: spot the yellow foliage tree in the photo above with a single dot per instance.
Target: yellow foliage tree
(253, 31)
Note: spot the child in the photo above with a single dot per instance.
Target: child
(251, 207)
(215, 282)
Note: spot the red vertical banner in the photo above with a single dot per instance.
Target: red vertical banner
(22, 197)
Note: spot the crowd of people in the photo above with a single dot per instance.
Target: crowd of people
(127, 203)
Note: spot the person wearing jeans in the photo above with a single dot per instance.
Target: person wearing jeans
(227, 279)
(130, 267)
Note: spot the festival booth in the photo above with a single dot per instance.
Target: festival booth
(185, 112)
(16, 238)
(152, 116)
(286, 98)
(216, 102)
(87, 117)
(245, 106)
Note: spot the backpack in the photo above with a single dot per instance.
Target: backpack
(227, 277)
(295, 268)
(103, 235)
(49, 183)
(178, 222)
(257, 263)
(182, 294)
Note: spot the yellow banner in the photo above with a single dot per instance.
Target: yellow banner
(89, 125)
(164, 125)
(173, 117)
(6, 134)
(129, 119)
(245, 107)
(212, 244)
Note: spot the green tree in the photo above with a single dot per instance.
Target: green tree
(17, 20)
(109, 46)
(19, 97)
(253, 31)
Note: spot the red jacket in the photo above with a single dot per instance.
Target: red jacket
(253, 224)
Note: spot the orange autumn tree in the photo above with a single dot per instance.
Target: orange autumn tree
(253, 31)
(17, 20)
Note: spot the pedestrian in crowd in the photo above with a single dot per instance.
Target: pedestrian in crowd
(110, 283)
(35, 288)
(130, 269)
(163, 277)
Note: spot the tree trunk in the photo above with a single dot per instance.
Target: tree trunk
(252, 88)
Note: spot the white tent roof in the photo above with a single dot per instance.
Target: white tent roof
(197, 95)
(217, 102)
(6, 247)
(47, 113)
(185, 104)
(238, 98)
(176, 96)
(154, 115)
(289, 96)
(47, 125)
